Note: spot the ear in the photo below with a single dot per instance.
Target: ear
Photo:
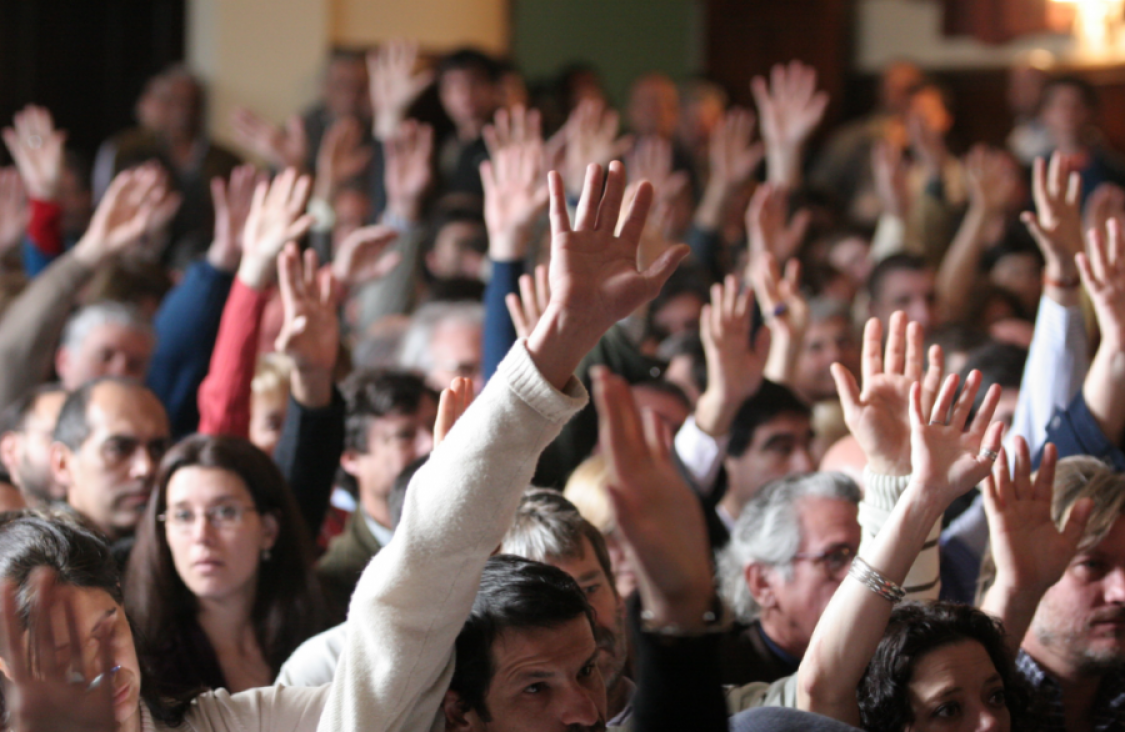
(349, 460)
(457, 718)
(59, 459)
(9, 451)
(270, 530)
(759, 579)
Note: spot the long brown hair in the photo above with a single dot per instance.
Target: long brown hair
(287, 609)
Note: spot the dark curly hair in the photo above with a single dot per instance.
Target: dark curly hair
(914, 630)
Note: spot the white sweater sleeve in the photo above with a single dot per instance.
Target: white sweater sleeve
(415, 595)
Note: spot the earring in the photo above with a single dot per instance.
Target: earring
(266, 555)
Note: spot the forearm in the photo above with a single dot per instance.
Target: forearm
(957, 275)
(393, 294)
(1015, 607)
(308, 455)
(852, 625)
(883, 493)
(1104, 390)
(413, 599)
(224, 395)
(781, 364)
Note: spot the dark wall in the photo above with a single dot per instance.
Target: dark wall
(86, 60)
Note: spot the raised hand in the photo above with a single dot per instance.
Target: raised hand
(1030, 551)
(515, 188)
(123, 216)
(279, 147)
(790, 108)
(232, 205)
(37, 148)
(593, 273)
(50, 688)
(452, 403)
(591, 138)
(1102, 270)
(734, 365)
(734, 158)
(407, 172)
(393, 84)
(310, 329)
(527, 307)
(991, 179)
(878, 416)
(1106, 202)
(341, 157)
(362, 256)
(659, 517)
(651, 160)
(768, 226)
(14, 211)
(947, 459)
(1057, 223)
(786, 311)
(276, 216)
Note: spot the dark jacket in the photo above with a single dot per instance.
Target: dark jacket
(340, 567)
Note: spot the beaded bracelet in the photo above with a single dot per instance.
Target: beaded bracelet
(877, 583)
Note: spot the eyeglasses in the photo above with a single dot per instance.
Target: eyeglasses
(835, 559)
(226, 516)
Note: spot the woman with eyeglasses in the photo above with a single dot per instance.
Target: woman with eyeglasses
(219, 584)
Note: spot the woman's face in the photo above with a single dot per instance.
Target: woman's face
(956, 687)
(99, 619)
(215, 533)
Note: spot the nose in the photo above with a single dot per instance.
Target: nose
(800, 461)
(1114, 586)
(423, 442)
(579, 706)
(201, 529)
(990, 721)
(142, 465)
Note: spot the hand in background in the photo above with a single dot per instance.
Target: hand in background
(515, 184)
(37, 149)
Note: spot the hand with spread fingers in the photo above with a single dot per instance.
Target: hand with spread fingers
(1056, 224)
(123, 216)
(790, 108)
(515, 184)
(734, 157)
(280, 147)
(593, 273)
(526, 308)
(735, 365)
(310, 330)
(362, 256)
(591, 138)
(342, 156)
(878, 416)
(453, 402)
(1102, 270)
(769, 228)
(394, 85)
(947, 459)
(407, 174)
(52, 684)
(37, 148)
(785, 310)
(658, 516)
(15, 214)
(277, 215)
(232, 201)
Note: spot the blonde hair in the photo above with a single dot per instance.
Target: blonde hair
(271, 375)
(586, 489)
(1082, 476)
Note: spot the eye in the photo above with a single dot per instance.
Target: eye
(535, 688)
(947, 711)
(183, 516)
(998, 698)
(591, 589)
(587, 670)
(226, 514)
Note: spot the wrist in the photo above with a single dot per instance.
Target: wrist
(881, 467)
(405, 208)
(506, 246)
(558, 344)
(714, 413)
(312, 386)
(254, 274)
(922, 499)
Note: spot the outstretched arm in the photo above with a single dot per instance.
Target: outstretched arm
(1103, 273)
(945, 466)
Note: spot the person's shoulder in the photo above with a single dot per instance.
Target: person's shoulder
(272, 708)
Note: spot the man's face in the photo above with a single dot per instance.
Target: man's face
(912, 292)
(455, 252)
(609, 611)
(393, 442)
(679, 315)
(780, 447)
(111, 349)
(26, 452)
(825, 343)
(345, 89)
(827, 524)
(545, 679)
(467, 96)
(1065, 112)
(1079, 627)
(109, 478)
(456, 351)
(654, 107)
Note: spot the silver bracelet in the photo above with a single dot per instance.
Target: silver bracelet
(877, 583)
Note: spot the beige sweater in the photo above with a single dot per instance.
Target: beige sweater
(417, 592)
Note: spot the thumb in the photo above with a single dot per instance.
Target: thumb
(659, 271)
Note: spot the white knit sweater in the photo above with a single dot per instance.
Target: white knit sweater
(417, 592)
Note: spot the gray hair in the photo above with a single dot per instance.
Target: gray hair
(88, 319)
(414, 352)
(769, 532)
(548, 528)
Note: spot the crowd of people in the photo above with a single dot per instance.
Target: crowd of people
(475, 408)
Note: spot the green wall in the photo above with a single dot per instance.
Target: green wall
(621, 38)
